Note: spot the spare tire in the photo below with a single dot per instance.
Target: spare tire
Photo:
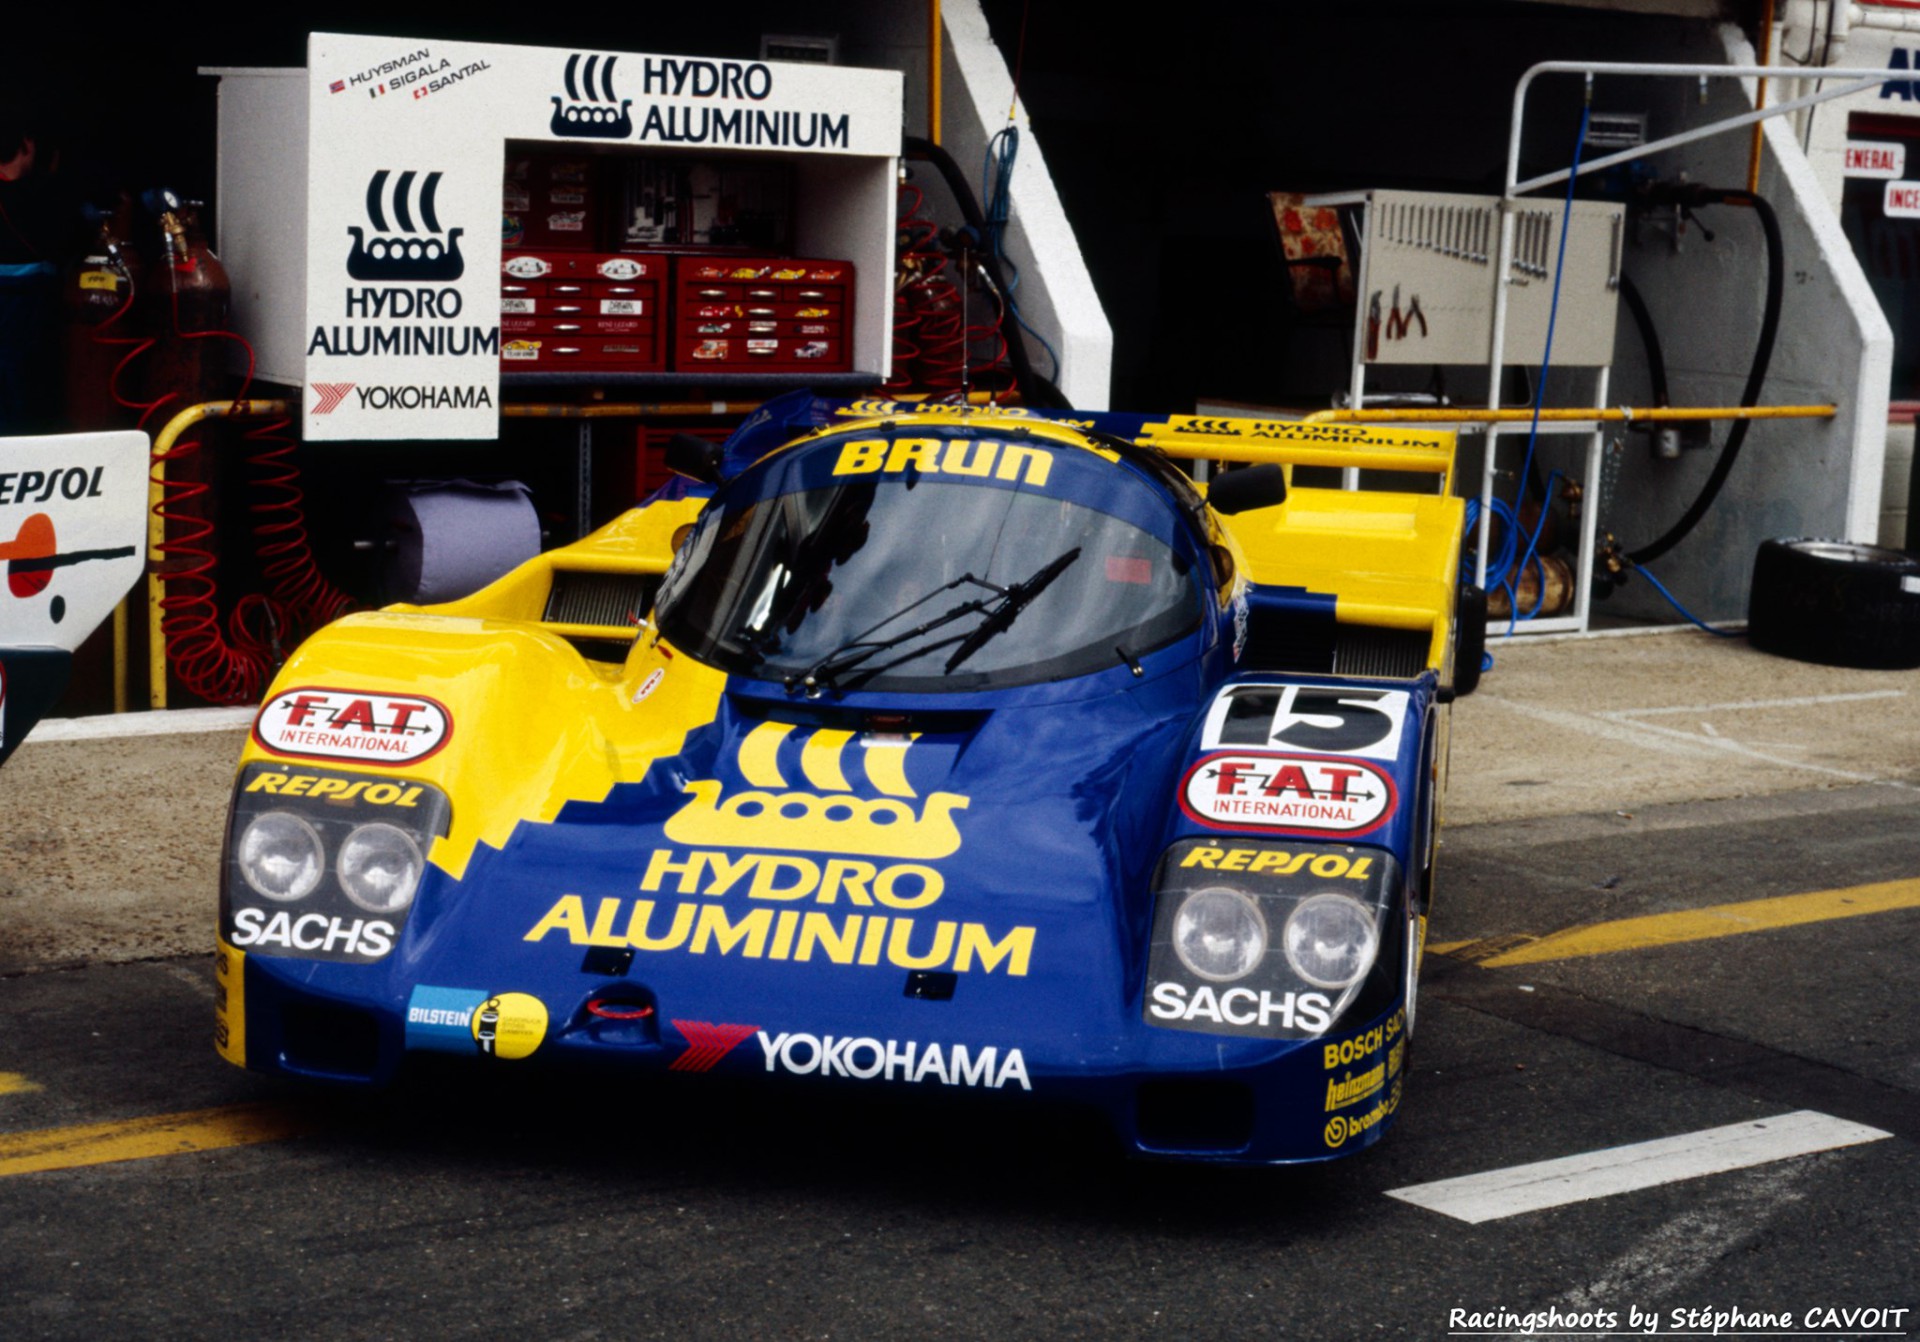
(1836, 602)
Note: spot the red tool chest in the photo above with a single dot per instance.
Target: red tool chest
(762, 314)
(593, 311)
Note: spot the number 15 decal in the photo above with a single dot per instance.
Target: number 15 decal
(1321, 719)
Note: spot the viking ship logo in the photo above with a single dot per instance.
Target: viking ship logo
(831, 819)
(589, 112)
(404, 249)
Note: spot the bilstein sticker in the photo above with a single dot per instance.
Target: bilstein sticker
(1338, 796)
(509, 1025)
(360, 725)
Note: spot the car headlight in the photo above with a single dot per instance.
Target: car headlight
(280, 856)
(379, 867)
(326, 864)
(1219, 934)
(1330, 940)
(1272, 938)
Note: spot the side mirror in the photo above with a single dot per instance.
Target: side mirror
(1248, 488)
(695, 458)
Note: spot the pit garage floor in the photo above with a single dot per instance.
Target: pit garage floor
(110, 832)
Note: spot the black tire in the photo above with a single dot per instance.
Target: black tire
(1839, 603)
(1469, 639)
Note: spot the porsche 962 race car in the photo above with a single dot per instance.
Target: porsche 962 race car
(945, 750)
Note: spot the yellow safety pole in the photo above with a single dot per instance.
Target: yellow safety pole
(1609, 414)
(660, 409)
(157, 535)
(933, 70)
(1760, 97)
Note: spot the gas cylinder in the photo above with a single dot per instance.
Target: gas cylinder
(98, 326)
(186, 300)
(191, 296)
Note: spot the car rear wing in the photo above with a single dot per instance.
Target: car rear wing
(1367, 447)
(1283, 442)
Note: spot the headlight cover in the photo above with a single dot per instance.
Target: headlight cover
(380, 867)
(323, 864)
(279, 855)
(1218, 934)
(1331, 940)
(1270, 939)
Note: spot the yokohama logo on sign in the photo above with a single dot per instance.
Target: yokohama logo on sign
(1293, 792)
(328, 395)
(358, 725)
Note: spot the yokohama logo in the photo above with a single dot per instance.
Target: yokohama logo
(707, 1044)
(328, 395)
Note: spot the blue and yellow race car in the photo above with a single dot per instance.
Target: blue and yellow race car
(925, 748)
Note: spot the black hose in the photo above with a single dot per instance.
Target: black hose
(1756, 375)
(1649, 337)
(1034, 389)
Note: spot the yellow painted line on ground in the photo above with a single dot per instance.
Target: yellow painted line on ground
(1669, 929)
(13, 1083)
(142, 1138)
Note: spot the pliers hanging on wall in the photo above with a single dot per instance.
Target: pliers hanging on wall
(1399, 323)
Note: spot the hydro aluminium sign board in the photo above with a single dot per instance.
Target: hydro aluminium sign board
(405, 159)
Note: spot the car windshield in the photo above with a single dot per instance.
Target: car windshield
(928, 582)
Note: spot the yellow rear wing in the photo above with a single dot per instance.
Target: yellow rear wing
(1291, 443)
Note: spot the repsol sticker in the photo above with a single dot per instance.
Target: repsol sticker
(333, 788)
(360, 725)
(1288, 792)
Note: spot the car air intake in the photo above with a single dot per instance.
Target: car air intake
(1362, 650)
(1194, 1116)
(610, 600)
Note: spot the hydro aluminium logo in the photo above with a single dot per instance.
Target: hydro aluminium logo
(407, 248)
(587, 111)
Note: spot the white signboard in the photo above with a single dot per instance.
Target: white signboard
(406, 159)
(73, 526)
(1876, 158)
(1902, 200)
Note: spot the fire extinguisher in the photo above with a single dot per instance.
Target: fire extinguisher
(100, 330)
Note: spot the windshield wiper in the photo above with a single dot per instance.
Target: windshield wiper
(850, 655)
(1006, 603)
(1012, 602)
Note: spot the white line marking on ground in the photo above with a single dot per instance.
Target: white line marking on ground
(1738, 705)
(1637, 734)
(118, 726)
(1730, 747)
(1678, 1253)
(1624, 1169)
